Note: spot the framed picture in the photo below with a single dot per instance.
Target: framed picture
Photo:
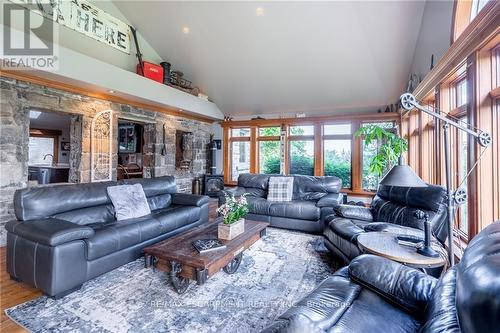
(132, 159)
(65, 146)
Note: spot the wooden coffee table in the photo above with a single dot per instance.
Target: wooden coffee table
(178, 257)
(385, 244)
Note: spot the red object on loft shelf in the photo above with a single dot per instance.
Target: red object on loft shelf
(151, 71)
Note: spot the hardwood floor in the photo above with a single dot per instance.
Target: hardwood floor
(13, 293)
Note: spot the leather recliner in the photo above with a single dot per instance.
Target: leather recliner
(374, 294)
(392, 209)
(68, 234)
(313, 200)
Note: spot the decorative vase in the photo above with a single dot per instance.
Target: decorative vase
(231, 231)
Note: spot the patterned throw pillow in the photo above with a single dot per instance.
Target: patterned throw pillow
(129, 201)
(280, 189)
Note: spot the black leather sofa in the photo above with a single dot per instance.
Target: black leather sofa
(392, 209)
(67, 234)
(313, 200)
(374, 294)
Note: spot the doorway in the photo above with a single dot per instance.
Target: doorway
(53, 147)
(130, 150)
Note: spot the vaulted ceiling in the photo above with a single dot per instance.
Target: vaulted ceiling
(283, 58)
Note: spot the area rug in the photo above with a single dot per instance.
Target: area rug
(276, 271)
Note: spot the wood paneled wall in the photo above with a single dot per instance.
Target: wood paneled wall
(424, 134)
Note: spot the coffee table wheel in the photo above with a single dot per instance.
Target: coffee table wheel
(233, 265)
(180, 283)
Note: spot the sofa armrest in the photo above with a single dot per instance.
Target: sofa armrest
(49, 231)
(330, 200)
(354, 212)
(189, 199)
(404, 286)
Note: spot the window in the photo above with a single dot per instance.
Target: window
(240, 132)
(240, 152)
(240, 158)
(302, 157)
(337, 159)
(269, 131)
(462, 148)
(477, 5)
(269, 157)
(337, 152)
(460, 89)
(370, 180)
(39, 147)
(337, 129)
(325, 147)
(302, 130)
(269, 150)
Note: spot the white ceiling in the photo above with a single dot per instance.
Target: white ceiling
(312, 57)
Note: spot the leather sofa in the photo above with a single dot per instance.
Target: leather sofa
(392, 209)
(374, 294)
(313, 200)
(68, 234)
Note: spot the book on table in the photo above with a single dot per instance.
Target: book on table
(208, 245)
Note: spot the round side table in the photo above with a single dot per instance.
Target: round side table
(386, 245)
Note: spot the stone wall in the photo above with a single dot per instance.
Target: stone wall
(18, 97)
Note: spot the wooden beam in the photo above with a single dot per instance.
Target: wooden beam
(384, 116)
(28, 77)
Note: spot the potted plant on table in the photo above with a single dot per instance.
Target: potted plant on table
(233, 214)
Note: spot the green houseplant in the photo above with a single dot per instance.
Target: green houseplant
(390, 147)
(233, 213)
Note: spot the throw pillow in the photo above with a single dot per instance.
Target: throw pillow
(280, 189)
(129, 201)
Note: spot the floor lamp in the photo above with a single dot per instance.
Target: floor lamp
(402, 175)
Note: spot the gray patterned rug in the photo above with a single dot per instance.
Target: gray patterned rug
(275, 272)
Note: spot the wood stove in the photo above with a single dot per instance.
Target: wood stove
(213, 185)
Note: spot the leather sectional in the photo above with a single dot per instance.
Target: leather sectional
(313, 200)
(392, 209)
(68, 234)
(374, 294)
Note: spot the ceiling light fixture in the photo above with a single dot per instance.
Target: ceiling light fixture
(259, 11)
(185, 30)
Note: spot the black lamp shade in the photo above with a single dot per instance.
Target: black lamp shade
(402, 176)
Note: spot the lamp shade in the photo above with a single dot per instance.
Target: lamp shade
(402, 176)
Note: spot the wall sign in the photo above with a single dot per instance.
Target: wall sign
(85, 18)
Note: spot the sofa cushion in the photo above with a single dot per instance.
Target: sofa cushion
(347, 228)
(118, 235)
(296, 209)
(259, 206)
(176, 216)
(89, 215)
(314, 188)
